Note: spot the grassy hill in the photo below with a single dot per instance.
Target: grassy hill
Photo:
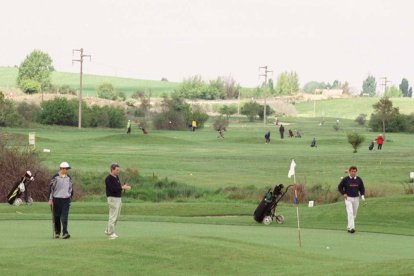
(8, 76)
(349, 108)
(241, 159)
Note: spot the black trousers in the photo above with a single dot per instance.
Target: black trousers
(61, 214)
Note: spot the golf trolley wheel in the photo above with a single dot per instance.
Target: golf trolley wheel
(267, 220)
(280, 219)
(18, 202)
(29, 201)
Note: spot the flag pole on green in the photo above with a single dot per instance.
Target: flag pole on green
(296, 200)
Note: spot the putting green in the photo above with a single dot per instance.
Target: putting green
(176, 248)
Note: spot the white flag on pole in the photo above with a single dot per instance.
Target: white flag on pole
(292, 169)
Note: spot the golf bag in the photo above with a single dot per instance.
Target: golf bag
(266, 210)
(19, 189)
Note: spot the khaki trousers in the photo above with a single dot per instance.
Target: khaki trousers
(114, 204)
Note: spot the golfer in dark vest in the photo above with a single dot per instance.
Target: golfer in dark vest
(114, 193)
(351, 187)
(60, 194)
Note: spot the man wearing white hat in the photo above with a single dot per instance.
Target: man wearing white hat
(60, 194)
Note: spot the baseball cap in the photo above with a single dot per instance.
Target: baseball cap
(64, 165)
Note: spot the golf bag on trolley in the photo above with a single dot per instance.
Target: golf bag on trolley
(20, 188)
(266, 210)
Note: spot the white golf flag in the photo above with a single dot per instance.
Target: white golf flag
(292, 169)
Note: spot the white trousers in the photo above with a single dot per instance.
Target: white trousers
(351, 204)
(114, 204)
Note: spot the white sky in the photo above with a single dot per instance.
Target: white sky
(321, 40)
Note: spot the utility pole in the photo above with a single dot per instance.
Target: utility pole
(384, 84)
(80, 81)
(265, 91)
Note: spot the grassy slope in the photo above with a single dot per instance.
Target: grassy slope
(8, 78)
(349, 108)
(240, 159)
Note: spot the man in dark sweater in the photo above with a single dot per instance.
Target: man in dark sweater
(351, 187)
(113, 194)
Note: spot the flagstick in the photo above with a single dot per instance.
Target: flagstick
(297, 212)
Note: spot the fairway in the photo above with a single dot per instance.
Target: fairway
(242, 159)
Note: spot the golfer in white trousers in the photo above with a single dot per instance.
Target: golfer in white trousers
(114, 192)
(351, 187)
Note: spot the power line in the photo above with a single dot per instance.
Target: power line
(265, 91)
(80, 80)
(384, 84)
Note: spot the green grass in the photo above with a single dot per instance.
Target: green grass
(8, 76)
(210, 238)
(241, 159)
(349, 108)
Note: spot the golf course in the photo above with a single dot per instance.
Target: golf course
(214, 232)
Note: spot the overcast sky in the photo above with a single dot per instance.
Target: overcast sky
(321, 40)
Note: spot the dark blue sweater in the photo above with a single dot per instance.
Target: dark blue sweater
(113, 186)
(351, 187)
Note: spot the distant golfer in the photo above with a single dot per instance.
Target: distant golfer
(60, 194)
(114, 193)
(129, 127)
(281, 131)
(351, 187)
(194, 125)
(267, 137)
(380, 141)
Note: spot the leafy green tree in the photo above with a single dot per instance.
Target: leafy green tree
(190, 88)
(287, 83)
(37, 67)
(250, 109)
(231, 87)
(311, 86)
(8, 114)
(355, 140)
(269, 111)
(384, 110)
(228, 110)
(404, 87)
(393, 92)
(106, 91)
(369, 86)
(410, 92)
(336, 84)
(58, 111)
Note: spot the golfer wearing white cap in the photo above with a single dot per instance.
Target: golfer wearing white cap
(60, 194)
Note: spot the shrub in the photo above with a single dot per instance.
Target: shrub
(8, 115)
(66, 89)
(220, 123)
(28, 111)
(15, 160)
(30, 86)
(199, 116)
(58, 111)
(269, 111)
(250, 109)
(106, 91)
(361, 119)
(355, 140)
(171, 120)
